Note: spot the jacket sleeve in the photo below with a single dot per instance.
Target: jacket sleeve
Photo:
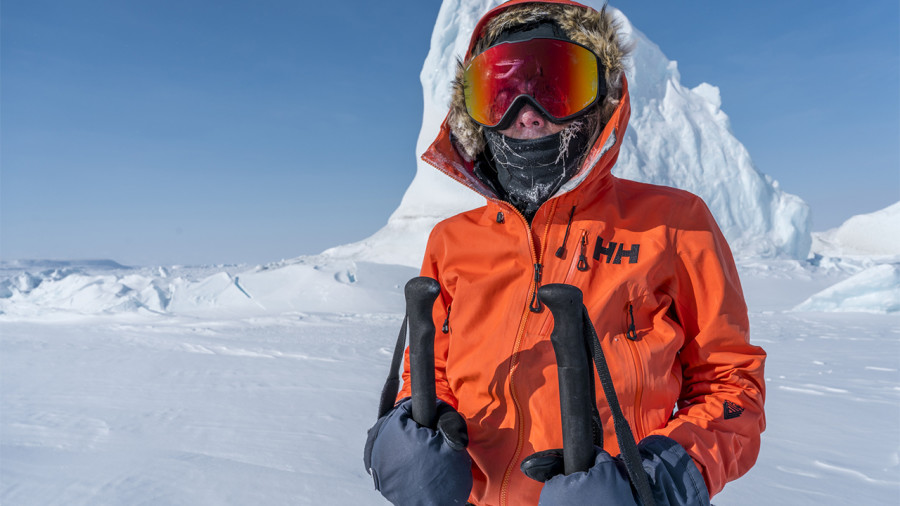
(430, 268)
(720, 411)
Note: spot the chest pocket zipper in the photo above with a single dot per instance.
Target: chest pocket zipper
(631, 334)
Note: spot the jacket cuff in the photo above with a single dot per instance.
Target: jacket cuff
(674, 477)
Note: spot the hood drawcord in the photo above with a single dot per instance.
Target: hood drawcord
(561, 252)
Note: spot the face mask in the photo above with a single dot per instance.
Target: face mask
(530, 171)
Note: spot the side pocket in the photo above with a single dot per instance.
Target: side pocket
(371, 435)
(375, 480)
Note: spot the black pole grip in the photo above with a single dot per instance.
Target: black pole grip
(566, 304)
(421, 293)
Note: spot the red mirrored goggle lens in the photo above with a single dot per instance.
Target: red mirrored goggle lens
(562, 78)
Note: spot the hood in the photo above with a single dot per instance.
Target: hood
(461, 140)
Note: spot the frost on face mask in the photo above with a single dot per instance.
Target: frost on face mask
(531, 170)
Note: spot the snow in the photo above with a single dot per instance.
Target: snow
(868, 247)
(256, 384)
(874, 234)
(274, 288)
(874, 290)
(224, 398)
(180, 411)
(677, 137)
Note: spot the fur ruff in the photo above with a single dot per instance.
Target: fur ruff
(596, 30)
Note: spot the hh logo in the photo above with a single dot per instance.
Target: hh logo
(615, 252)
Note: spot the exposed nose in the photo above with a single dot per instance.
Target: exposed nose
(531, 124)
(529, 117)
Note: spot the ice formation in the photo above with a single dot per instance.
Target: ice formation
(874, 290)
(677, 137)
(873, 234)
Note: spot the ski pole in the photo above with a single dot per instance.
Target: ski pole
(573, 368)
(421, 293)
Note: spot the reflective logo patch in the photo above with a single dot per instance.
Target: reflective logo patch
(732, 410)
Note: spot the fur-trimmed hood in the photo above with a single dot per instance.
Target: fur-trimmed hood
(461, 139)
(583, 25)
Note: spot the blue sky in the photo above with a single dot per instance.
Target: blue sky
(227, 132)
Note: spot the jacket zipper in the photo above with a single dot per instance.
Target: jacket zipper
(504, 485)
(536, 305)
(514, 360)
(631, 334)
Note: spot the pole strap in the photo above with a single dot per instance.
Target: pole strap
(392, 383)
(627, 446)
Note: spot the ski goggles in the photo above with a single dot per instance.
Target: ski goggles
(560, 78)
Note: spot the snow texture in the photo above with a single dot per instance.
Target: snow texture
(83, 289)
(112, 396)
(677, 137)
(867, 246)
(874, 290)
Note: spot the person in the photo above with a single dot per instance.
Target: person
(539, 110)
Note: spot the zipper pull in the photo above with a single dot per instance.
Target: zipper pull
(582, 258)
(536, 305)
(631, 333)
(561, 252)
(446, 327)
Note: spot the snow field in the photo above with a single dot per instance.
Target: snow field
(115, 411)
(832, 409)
(310, 283)
(226, 408)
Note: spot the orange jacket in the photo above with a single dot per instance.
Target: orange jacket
(662, 290)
